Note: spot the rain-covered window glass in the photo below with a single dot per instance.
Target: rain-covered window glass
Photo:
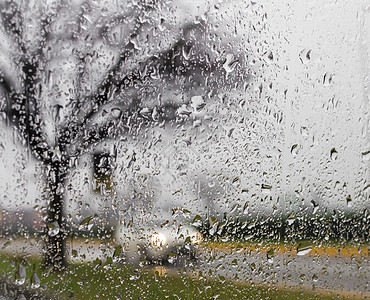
(184, 149)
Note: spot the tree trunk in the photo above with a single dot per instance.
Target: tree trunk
(55, 253)
(282, 229)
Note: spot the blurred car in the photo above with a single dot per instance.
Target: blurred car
(158, 243)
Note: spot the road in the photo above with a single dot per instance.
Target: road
(343, 275)
(340, 274)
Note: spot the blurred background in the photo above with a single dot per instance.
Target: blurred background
(247, 120)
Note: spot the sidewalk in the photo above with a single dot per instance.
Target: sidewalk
(290, 249)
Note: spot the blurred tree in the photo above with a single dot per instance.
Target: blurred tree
(73, 74)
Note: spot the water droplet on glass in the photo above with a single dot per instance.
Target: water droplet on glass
(333, 154)
(366, 155)
(230, 63)
(20, 275)
(86, 220)
(117, 255)
(135, 274)
(349, 201)
(291, 219)
(183, 111)
(236, 181)
(165, 223)
(35, 281)
(171, 259)
(304, 131)
(246, 207)
(116, 113)
(303, 250)
(305, 56)
(294, 149)
(266, 189)
(134, 41)
(327, 79)
(270, 56)
(197, 221)
(270, 255)
(315, 206)
(211, 184)
(197, 103)
(53, 229)
(57, 112)
(74, 253)
(161, 25)
(21, 297)
(186, 51)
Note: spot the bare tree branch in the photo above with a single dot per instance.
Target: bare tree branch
(12, 20)
(21, 111)
(84, 128)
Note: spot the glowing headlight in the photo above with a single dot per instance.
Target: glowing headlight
(158, 240)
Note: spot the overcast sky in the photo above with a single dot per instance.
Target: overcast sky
(320, 85)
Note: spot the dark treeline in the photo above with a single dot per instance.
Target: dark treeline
(338, 227)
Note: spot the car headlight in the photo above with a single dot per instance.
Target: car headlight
(158, 240)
